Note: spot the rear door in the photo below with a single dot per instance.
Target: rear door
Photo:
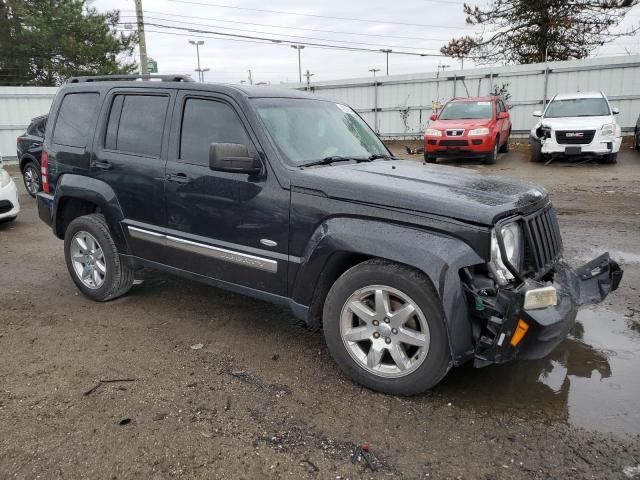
(131, 156)
(229, 226)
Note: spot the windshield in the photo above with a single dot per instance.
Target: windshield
(578, 107)
(466, 110)
(310, 130)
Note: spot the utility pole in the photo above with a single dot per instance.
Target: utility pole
(309, 75)
(299, 47)
(375, 99)
(387, 51)
(144, 63)
(250, 77)
(197, 43)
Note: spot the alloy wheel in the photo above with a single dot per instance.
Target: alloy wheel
(32, 180)
(384, 331)
(88, 260)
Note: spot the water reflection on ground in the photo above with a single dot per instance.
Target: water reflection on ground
(591, 380)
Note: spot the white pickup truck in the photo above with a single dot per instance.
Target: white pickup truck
(576, 124)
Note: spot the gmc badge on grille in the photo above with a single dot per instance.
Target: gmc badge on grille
(575, 134)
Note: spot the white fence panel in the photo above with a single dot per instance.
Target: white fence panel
(405, 102)
(18, 105)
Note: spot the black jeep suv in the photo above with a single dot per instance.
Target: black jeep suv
(409, 269)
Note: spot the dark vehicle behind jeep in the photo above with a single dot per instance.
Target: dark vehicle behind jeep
(409, 269)
(29, 149)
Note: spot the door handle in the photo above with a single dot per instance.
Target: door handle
(104, 164)
(179, 178)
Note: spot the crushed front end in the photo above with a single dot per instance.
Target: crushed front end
(524, 302)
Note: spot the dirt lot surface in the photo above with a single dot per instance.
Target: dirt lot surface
(221, 386)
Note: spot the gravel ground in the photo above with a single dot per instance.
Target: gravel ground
(215, 385)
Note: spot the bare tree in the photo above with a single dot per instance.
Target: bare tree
(522, 31)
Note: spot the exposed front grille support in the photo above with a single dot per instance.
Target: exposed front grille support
(543, 238)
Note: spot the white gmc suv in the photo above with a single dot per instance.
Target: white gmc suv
(578, 124)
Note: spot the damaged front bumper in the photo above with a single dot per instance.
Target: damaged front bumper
(513, 331)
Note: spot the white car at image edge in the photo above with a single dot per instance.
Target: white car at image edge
(9, 205)
(581, 125)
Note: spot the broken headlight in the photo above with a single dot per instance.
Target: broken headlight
(511, 234)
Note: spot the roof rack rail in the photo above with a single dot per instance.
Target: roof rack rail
(131, 77)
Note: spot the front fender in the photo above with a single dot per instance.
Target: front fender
(97, 192)
(438, 256)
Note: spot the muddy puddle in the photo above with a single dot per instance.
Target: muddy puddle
(591, 380)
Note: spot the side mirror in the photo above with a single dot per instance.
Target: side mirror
(233, 158)
(1, 161)
(615, 110)
(537, 113)
(433, 117)
(503, 115)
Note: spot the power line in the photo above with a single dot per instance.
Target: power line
(282, 12)
(293, 36)
(290, 42)
(290, 28)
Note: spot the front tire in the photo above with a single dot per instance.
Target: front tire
(384, 326)
(430, 158)
(493, 156)
(608, 159)
(93, 261)
(535, 150)
(32, 178)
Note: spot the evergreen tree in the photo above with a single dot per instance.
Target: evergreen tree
(522, 31)
(43, 42)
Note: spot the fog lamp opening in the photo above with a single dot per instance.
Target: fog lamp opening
(540, 298)
(521, 330)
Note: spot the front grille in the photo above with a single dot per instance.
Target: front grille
(5, 206)
(575, 137)
(544, 242)
(454, 132)
(453, 143)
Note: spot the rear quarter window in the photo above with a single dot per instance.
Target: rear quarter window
(76, 119)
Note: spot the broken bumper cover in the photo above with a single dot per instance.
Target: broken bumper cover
(547, 327)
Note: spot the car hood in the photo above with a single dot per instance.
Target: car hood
(463, 123)
(577, 123)
(452, 192)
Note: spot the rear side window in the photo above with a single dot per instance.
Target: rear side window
(205, 122)
(136, 124)
(76, 119)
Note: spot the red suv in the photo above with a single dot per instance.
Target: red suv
(469, 127)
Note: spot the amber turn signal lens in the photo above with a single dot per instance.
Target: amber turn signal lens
(518, 335)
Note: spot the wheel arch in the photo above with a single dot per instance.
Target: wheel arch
(341, 243)
(77, 195)
(26, 158)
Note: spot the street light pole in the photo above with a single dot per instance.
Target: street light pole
(201, 72)
(299, 47)
(144, 63)
(197, 43)
(308, 75)
(375, 99)
(387, 51)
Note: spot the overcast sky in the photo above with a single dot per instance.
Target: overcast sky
(381, 24)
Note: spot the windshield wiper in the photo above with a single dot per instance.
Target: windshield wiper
(378, 156)
(340, 158)
(327, 161)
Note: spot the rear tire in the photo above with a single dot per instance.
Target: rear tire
(608, 159)
(430, 158)
(505, 146)
(379, 358)
(32, 178)
(93, 261)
